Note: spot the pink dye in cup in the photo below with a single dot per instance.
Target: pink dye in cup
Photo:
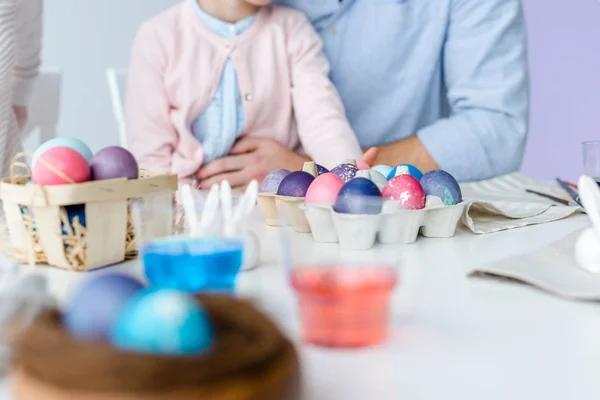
(345, 306)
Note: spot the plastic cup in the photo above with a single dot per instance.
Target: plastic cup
(591, 159)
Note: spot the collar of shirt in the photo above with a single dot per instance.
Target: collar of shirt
(222, 28)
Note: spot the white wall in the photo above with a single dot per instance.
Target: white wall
(83, 38)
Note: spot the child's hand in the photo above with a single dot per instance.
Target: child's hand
(249, 158)
(370, 156)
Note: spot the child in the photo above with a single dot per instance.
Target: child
(20, 48)
(197, 83)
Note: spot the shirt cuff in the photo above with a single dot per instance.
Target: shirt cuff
(22, 91)
(455, 149)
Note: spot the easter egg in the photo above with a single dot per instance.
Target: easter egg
(163, 322)
(345, 171)
(405, 169)
(71, 143)
(59, 166)
(76, 211)
(359, 196)
(443, 185)
(271, 182)
(383, 169)
(378, 178)
(295, 184)
(321, 170)
(324, 189)
(92, 312)
(114, 162)
(406, 191)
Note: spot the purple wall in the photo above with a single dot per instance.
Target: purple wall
(564, 50)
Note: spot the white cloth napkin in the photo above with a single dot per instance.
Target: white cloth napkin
(552, 268)
(502, 203)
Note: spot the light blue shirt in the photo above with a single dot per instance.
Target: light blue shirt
(218, 127)
(452, 71)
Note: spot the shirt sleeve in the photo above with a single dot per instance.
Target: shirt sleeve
(151, 135)
(486, 75)
(28, 49)
(323, 128)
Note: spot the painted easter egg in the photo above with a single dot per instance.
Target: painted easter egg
(345, 171)
(163, 322)
(114, 162)
(378, 178)
(271, 182)
(324, 189)
(443, 185)
(383, 169)
(321, 170)
(74, 212)
(69, 142)
(295, 184)
(92, 312)
(359, 196)
(406, 191)
(59, 166)
(405, 169)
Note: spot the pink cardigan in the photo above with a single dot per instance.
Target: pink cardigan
(176, 65)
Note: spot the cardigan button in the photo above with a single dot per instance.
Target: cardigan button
(248, 97)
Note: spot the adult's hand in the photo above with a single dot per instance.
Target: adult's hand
(249, 158)
(20, 115)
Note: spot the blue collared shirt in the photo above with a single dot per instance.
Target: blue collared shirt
(454, 72)
(218, 127)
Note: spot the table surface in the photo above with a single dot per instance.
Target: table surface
(453, 337)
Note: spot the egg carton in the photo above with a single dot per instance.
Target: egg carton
(359, 231)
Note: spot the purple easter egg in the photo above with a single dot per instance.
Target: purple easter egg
(443, 185)
(95, 307)
(271, 183)
(114, 162)
(345, 171)
(321, 170)
(295, 184)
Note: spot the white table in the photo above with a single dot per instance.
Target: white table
(454, 337)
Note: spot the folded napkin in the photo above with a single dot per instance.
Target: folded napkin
(552, 268)
(502, 203)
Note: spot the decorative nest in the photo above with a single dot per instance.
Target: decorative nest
(251, 359)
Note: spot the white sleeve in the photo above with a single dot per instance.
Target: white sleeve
(28, 48)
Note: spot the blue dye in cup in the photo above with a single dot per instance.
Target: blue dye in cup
(193, 264)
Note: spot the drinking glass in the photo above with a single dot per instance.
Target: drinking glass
(591, 159)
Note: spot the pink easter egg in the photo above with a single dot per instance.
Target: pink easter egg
(324, 189)
(60, 165)
(362, 165)
(405, 190)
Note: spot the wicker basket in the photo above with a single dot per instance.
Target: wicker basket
(40, 231)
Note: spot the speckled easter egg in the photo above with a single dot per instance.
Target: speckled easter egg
(69, 142)
(60, 166)
(295, 184)
(114, 162)
(405, 190)
(345, 171)
(91, 313)
(383, 169)
(163, 322)
(359, 196)
(321, 170)
(405, 169)
(443, 185)
(271, 183)
(324, 189)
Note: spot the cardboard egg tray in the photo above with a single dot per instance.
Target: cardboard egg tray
(361, 232)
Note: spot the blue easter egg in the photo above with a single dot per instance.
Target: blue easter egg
(71, 143)
(92, 312)
(412, 171)
(443, 185)
(77, 210)
(321, 170)
(383, 169)
(359, 196)
(163, 322)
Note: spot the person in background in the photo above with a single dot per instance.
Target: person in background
(434, 83)
(212, 78)
(20, 60)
